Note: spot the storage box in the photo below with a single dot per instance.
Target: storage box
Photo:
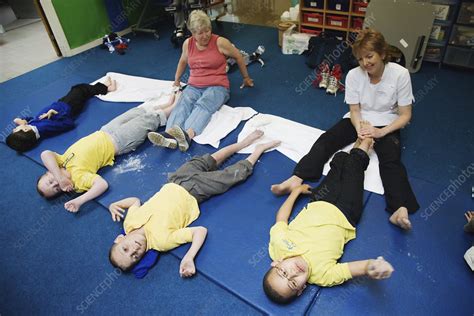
(338, 5)
(441, 11)
(466, 13)
(314, 4)
(357, 23)
(462, 35)
(438, 32)
(311, 31)
(459, 56)
(313, 18)
(337, 21)
(359, 7)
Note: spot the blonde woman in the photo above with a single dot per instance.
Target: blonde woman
(208, 86)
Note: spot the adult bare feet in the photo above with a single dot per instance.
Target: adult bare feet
(400, 218)
(286, 186)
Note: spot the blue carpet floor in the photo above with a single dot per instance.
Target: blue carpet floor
(55, 263)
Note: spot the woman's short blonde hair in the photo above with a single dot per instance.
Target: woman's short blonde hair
(198, 20)
(371, 40)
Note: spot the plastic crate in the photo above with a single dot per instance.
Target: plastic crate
(359, 7)
(357, 23)
(314, 4)
(466, 13)
(459, 56)
(337, 21)
(311, 31)
(314, 18)
(462, 35)
(338, 5)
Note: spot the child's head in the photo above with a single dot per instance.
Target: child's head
(47, 186)
(368, 42)
(127, 250)
(286, 279)
(22, 138)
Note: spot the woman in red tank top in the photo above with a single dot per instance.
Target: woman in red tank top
(208, 86)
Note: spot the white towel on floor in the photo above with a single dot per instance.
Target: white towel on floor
(134, 89)
(297, 139)
(154, 92)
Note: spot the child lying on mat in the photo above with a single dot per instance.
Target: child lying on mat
(307, 249)
(76, 169)
(56, 118)
(162, 222)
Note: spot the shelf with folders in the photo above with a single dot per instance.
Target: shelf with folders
(338, 17)
(445, 14)
(460, 48)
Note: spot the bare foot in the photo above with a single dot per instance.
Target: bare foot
(286, 186)
(256, 134)
(400, 218)
(266, 146)
(111, 84)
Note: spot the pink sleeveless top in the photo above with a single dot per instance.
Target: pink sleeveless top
(207, 67)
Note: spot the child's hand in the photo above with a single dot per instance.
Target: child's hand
(379, 269)
(116, 212)
(66, 184)
(19, 121)
(48, 114)
(469, 215)
(187, 268)
(72, 206)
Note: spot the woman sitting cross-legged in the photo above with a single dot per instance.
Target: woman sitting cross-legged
(208, 85)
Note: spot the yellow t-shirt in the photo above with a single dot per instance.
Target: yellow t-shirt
(318, 234)
(85, 157)
(165, 217)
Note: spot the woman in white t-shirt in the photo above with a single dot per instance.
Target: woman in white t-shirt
(379, 92)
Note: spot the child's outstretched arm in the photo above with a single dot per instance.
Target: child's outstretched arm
(99, 186)
(49, 160)
(19, 121)
(117, 209)
(373, 268)
(187, 267)
(285, 210)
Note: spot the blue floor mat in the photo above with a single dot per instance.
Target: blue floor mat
(431, 276)
(143, 172)
(281, 89)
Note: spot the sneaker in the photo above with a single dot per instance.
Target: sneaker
(162, 141)
(322, 76)
(181, 137)
(334, 80)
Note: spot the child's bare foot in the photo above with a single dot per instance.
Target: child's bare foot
(400, 218)
(111, 84)
(365, 144)
(286, 186)
(256, 134)
(266, 146)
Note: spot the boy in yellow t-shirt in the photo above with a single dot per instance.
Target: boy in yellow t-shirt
(76, 169)
(307, 249)
(162, 222)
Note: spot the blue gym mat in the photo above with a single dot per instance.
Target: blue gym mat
(235, 254)
(431, 276)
